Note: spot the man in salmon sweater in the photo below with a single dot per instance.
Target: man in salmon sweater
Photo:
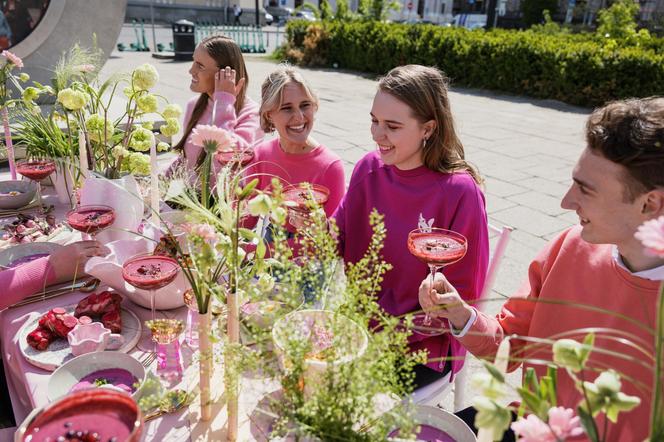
(594, 275)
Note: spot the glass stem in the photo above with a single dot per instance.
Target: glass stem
(39, 197)
(432, 273)
(152, 295)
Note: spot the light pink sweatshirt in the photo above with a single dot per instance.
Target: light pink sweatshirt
(244, 127)
(24, 280)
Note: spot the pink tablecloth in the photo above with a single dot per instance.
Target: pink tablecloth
(28, 384)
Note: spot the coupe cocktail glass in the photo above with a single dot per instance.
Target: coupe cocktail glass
(302, 196)
(150, 272)
(437, 248)
(91, 219)
(36, 169)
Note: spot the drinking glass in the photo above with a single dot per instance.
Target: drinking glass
(150, 272)
(437, 248)
(36, 169)
(91, 219)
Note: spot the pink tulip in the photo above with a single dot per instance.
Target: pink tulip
(13, 59)
(651, 235)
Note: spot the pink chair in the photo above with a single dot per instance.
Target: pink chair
(430, 394)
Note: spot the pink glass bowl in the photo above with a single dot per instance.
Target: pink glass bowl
(108, 413)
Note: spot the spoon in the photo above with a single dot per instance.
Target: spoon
(174, 401)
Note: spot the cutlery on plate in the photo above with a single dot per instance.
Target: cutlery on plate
(86, 286)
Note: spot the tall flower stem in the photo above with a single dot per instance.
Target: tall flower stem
(233, 328)
(205, 368)
(205, 181)
(8, 143)
(657, 412)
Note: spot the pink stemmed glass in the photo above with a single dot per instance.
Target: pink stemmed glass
(302, 195)
(36, 169)
(150, 272)
(437, 248)
(91, 219)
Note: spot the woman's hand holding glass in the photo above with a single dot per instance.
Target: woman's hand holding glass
(444, 301)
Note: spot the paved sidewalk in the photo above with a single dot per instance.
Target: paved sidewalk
(525, 148)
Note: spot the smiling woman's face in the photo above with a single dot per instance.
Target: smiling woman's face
(202, 72)
(397, 132)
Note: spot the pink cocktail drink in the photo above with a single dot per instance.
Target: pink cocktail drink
(304, 194)
(35, 170)
(91, 219)
(150, 272)
(437, 248)
(241, 157)
(90, 415)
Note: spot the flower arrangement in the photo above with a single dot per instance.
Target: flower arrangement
(81, 124)
(545, 420)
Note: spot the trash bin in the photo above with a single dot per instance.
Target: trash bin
(184, 39)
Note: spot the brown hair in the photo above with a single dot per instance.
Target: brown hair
(631, 133)
(225, 52)
(273, 88)
(424, 90)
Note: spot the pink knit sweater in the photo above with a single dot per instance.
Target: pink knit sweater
(24, 280)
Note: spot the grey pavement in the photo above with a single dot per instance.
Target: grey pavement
(524, 148)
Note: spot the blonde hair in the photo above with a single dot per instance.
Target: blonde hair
(424, 90)
(273, 88)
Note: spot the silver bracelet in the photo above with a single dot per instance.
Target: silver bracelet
(469, 323)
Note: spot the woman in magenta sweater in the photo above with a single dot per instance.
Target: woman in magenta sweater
(417, 173)
(219, 74)
(288, 105)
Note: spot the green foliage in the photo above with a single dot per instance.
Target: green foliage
(307, 6)
(618, 22)
(343, 11)
(549, 27)
(326, 12)
(577, 69)
(533, 10)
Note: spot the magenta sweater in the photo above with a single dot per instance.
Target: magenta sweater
(453, 201)
(244, 127)
(319, 166)
(25, 280)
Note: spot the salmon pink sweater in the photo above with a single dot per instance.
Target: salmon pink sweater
(570, 273)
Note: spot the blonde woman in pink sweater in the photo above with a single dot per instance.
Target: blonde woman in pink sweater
(219, 74)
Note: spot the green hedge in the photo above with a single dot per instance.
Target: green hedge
(572, 68)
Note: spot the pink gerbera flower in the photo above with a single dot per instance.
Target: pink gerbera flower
(651, 235)
(212, 138)
(13, 59)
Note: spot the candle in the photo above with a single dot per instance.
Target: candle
(154, 184)
(8, 143)
(82, 154)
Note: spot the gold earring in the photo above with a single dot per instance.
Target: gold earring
(424, 143)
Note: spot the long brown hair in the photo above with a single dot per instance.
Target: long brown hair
(225, 52)
(424, 90)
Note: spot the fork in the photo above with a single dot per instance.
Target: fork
(148, 359)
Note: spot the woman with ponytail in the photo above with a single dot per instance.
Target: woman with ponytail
(219, 74)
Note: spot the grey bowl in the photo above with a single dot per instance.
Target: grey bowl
(27, 189)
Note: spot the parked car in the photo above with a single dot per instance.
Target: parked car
(279, 13)
(303, 15)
